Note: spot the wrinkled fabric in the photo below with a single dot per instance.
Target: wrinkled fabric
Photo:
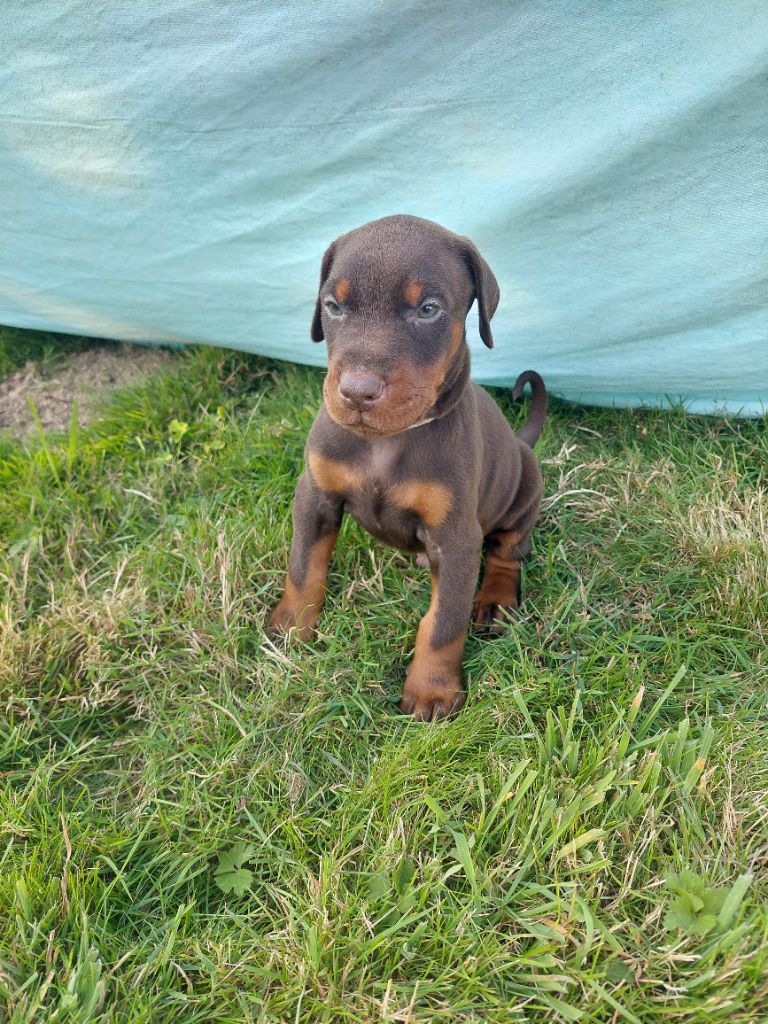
(173, 172)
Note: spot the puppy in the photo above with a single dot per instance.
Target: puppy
(405, 443)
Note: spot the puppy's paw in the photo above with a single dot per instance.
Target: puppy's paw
(429, 696)
(284, 617)
(487, 617)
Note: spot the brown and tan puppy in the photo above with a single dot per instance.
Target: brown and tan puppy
(412, 449)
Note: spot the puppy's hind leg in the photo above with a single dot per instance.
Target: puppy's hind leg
(506, 547)
(500, 590)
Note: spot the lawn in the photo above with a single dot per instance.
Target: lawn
(16, 347)
(198, 824)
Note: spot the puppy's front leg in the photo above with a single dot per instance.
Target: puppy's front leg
(433, 684)
(316, 519)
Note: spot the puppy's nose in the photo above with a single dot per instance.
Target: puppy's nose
(360, 390)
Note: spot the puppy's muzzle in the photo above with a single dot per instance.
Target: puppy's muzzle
(360, 390)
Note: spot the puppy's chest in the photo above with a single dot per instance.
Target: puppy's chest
(384, 502)
(382, 468)
(386, 494)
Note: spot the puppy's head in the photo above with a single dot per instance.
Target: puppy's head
(393, 298)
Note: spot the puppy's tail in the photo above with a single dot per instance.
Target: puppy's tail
(530, 430)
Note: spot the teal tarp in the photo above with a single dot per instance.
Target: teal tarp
(174, 170)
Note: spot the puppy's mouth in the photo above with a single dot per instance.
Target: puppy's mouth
(366, 424)
(402, 405)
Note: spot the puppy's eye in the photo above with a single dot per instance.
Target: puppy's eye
(333, 308)
(428, 310)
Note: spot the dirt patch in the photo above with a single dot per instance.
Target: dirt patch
(86, 376)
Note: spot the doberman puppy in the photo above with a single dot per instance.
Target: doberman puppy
(415, 452)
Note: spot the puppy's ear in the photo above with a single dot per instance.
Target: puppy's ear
(486, 289)
(316, 333)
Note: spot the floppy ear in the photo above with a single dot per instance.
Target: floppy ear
(486, 289)
(316, 333)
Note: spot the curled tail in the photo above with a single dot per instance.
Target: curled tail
(530, 430)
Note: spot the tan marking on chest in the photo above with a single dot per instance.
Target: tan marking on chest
(333, 476)
(429, 500)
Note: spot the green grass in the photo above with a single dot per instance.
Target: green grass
(19, 347)
(525, 862)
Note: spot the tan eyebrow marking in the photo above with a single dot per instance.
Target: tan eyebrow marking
(341, 289)
(414, 292)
